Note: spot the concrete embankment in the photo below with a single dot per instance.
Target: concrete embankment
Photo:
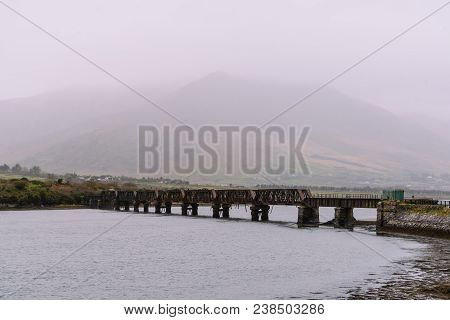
(429, 220)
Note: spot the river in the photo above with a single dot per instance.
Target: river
(94, 254)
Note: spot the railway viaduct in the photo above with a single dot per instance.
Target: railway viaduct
(221, 201)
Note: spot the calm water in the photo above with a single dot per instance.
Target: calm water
(148, 256)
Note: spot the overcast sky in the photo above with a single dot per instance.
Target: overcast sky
(161, 42)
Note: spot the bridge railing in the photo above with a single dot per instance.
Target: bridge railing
(346, 196)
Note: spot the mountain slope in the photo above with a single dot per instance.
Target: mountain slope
(350, 139)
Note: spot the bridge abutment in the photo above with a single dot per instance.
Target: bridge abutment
(343, 218)
(308, 217)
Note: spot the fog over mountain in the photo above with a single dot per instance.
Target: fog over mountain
(229, 62)
(350, 137)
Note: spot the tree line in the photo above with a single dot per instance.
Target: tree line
(18, 169)
(36, 171)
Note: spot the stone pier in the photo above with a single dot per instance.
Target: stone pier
(343, 218)
(308, 217)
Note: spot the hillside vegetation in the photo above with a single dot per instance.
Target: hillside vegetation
(23, 193)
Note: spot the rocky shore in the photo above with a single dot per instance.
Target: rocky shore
(424, 277)
(428, 220)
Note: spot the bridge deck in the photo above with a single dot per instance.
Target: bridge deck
(288, 197)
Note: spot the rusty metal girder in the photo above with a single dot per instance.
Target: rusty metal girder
(205, 196)
(198, 196)
(280, 196)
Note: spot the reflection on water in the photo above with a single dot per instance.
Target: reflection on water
(150, 256)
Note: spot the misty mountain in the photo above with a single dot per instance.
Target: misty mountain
(351, 139)
(438, 125)
(33, 124)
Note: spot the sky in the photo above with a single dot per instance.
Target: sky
(170, 43)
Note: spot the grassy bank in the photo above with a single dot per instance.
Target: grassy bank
(427, 209)
(25, 193)
(18, 192)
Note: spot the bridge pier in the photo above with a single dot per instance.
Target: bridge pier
(136, 207)
(343, 218)
(193, 207)
(194, 210)
(168, 206)
(184, 209)
(146, 205)
(216, 210)
(127, 207)
(226, 211)
(158, 207)
(265, 212)
(255, 213)
(308, 217)
(262, 209)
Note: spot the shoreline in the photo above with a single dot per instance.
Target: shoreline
(414, 232)
(423, 277)
(34, 208)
